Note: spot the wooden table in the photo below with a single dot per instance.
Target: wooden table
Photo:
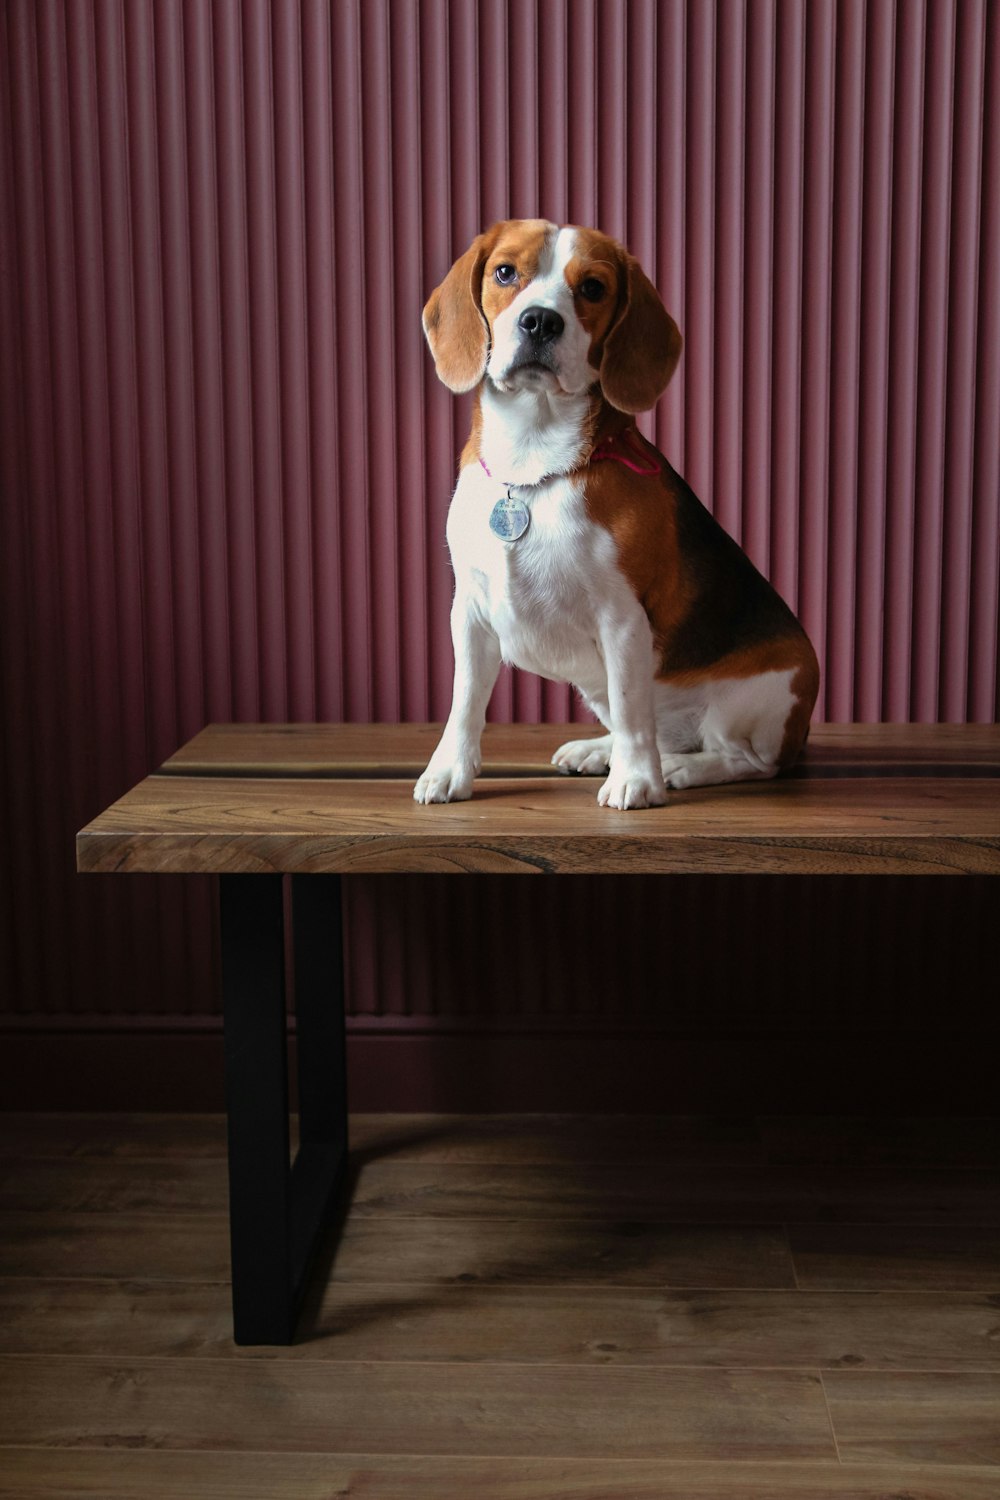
(269, 801)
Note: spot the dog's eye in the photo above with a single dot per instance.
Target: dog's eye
(505, 274)
(591, 289)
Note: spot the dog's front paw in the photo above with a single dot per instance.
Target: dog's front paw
(584, 757)
(626, 790)
(444, 784)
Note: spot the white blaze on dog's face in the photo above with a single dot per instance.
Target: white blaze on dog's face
(537, 307)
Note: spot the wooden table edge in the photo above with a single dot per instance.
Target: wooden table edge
(136, 852)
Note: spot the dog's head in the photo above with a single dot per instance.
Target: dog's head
(533, 306)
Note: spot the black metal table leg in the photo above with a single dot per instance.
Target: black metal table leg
(253, 990)
(277, 1213)
(321, 1165)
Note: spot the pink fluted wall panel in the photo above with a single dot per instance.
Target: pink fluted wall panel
(226, 461)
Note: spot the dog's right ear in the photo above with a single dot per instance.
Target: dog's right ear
(643, 347)
(453, 318)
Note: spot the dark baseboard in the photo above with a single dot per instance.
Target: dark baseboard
(919, 1072)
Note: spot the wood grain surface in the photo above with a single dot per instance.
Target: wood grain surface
(312, 1406)
(515, 1314)
(338, 750)
(470, 1251)
(941, 1418)
(880, 799)
(673, 1193)
(123, 1474)
(410, 1322)
(953, 1142)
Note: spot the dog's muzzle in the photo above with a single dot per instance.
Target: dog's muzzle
(542, 325)
(540, 329)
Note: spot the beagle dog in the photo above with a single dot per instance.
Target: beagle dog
(578, 553)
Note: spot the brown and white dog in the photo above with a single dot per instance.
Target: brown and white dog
(578, 553)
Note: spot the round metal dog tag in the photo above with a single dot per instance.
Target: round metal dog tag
(510, 519)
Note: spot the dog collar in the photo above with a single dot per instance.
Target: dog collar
(510, 517)
(604, 449)
(630, 436)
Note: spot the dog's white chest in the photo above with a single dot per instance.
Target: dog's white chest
(539, 594)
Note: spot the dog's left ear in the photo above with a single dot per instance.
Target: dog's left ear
(454, 322)
(643, 347)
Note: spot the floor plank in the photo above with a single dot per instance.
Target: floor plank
(883, 1257)
(123, 1137)
(521, 1308)
(789, 1140)
(537, 1138)
(556, 1139)
(763, 1195)
(279, 1405)
(99, 1185)
(174, 1247)
(672, 1194)
(195, 1247)
(407, 1322)
(564, 1252)
(932, 1419)
(145, 1475)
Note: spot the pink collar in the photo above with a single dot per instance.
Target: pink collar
(605, 449)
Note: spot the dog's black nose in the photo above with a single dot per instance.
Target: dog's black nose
(542, 324)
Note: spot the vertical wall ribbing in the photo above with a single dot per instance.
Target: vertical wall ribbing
(699, 321)
(67, 475)
(878, 287)
(787, 311)
(377, 331)
(612, 151)
(206, 373)
(670, 221)
(817, 314)
(553, 112)
(42, 714)
(985, 602)
(268, 498)
(159, 559)
(351, 271)
(935, 226)
(727, 292)
(904, 354)
(583, 117)
(226, 461)
(292, 354)
(230, 177)
(408, 288)
(451, 177)
(20, 957)
(846, 357)
(321, 334)
(951, 688)
(758, 282)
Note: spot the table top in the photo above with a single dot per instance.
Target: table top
(318, 798)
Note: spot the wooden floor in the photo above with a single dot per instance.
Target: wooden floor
(522, 1308)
